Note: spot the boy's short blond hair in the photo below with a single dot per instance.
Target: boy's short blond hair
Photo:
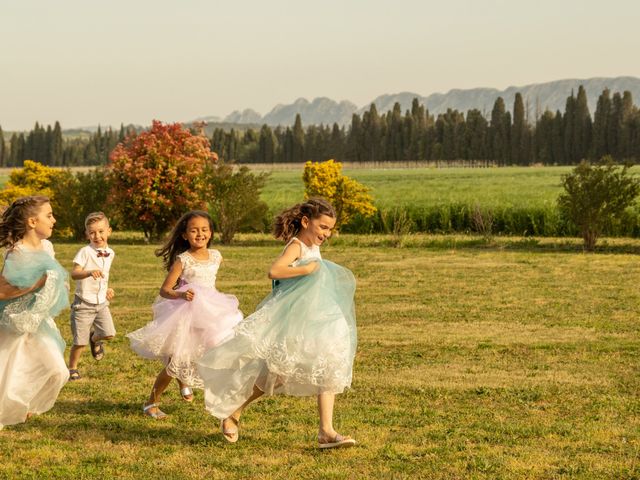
(94, 217)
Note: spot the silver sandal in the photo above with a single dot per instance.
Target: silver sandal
(157, 415)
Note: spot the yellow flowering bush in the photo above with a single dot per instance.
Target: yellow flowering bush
(32, 179)
(348, 196)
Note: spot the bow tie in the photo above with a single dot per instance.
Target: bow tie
(103, 253)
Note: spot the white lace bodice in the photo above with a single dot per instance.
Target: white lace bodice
(200, 272)
(305, 252)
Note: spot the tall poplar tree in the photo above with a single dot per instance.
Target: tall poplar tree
(298, 141)
(600, 143)
(519, 133)
(499, 132)
(266, 145)
(583, 125)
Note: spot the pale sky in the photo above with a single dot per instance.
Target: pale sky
(88, 62)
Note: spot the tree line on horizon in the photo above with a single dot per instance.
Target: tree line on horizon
(501, 138)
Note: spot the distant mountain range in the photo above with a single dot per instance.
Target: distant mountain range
(538, 97)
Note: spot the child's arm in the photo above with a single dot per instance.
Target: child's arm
(9, 292)
(281, 268)
(167, 291)
(78, 273)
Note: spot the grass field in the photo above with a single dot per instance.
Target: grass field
(518, 359)
(425, 187)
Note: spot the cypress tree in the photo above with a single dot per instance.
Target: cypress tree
(499, 132)
(353, 153)
(583, 126)
(394, 142)
(57, 145)
(600, 137)
(266, 145)
(337, 143)
(372, 134)
(476, 136)
(20, 150)
(48, 145)
(519, 133)
(569, 130)
(543, 138)
(557, 139)
(298, 154)
(419, 124)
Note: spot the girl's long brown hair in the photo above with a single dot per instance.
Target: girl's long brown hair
(287, 224)
(175, 243)
(13, 224)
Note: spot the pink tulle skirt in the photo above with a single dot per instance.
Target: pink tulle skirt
(181, 331)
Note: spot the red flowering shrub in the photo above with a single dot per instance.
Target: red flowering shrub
(156, 176)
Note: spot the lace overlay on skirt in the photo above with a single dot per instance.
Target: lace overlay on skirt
(182, 331)
(300, 341)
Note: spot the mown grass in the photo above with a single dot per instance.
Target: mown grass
(517, 359)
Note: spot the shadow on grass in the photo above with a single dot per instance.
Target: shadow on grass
(125, 422)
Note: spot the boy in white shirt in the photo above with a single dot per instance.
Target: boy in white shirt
(91, 321)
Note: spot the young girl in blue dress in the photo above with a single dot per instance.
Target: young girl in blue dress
(302, 338)
(190, 315)
(33, 290)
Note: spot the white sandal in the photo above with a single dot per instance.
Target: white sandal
(187, 392)
(157, 415)
(231, 435)
(339, 441)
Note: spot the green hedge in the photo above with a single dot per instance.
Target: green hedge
(543, 221)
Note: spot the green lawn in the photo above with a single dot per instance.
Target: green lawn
(513, 360)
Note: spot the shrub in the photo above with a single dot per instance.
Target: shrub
(597, 196)
(234, 199)
(156, 176)
(348, 196)
(32, 179)
(75, 196)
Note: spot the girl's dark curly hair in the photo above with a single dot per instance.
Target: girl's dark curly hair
(13, 224)
(287, 224)
(176, 243)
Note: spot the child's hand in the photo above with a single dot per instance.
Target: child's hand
(188, 295)
(110, 293)
(96, 274)
(40, 283)
(312, 266)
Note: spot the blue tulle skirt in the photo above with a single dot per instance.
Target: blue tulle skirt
(32, 367)
(300, 341)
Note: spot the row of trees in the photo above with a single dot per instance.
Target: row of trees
(48, 147)
(503, 137)
(156, 176)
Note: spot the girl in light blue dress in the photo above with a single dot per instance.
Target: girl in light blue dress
(33, 290)
(302, 338)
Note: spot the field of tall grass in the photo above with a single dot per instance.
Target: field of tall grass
(516, 200)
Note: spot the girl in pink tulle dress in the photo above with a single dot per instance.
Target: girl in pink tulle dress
(190, 316)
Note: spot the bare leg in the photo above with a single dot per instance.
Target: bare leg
(182, 385)
(230, 424)
(257, 393)
(327, 436)
(162, 382)
(98, 339)
(74, 356)
(325, 411)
